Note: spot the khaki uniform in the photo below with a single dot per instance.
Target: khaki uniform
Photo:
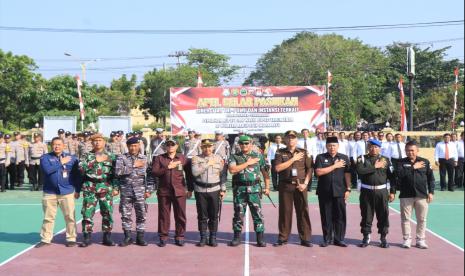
(36, 150)
(4, 163)
(21, 154)
(73, 146)
(117, 148)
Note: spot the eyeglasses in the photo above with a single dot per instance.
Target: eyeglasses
(170, 144)
(244, 143)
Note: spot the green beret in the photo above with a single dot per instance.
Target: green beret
(244, 138)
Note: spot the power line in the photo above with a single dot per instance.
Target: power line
(237, 31)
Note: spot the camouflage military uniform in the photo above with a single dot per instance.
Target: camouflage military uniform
(247, 191)
(84, 148)
(99, 181)
(4, 162)
(36, 150)
(133, 186)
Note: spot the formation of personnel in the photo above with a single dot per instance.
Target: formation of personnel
(134, 169)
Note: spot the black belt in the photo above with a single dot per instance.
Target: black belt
(35, 158)
(1, 159)
(246, 183)
(207, 185)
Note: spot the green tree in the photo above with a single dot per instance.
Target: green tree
(122, 96)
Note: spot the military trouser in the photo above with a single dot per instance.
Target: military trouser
(35, 176)
(374, 202)
(128, 201)
(20, 168)
(2, 177)
(208, 205)
(89, 203)
(241, 200)
(11, 177)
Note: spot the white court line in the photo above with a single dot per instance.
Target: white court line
(433, 233)
(246, 246)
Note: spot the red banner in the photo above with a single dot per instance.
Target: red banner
(273, 109)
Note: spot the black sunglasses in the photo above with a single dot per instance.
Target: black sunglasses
(244, 143)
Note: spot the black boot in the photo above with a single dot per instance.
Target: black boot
(384, 243)
(365, 241)
(86, 241)
(236, 239)
(212, 242)
(140, 239)
(127, 238)
(107, 239)
(260, 241)
(203, 239)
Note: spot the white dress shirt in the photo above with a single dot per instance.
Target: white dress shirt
(272, 151)
(310, 145)
(360, 149)
(344, 147)
(460, 148)
(385, 148)
(394, 151)
(440, 151)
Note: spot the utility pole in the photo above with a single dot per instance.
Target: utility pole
(177, 55)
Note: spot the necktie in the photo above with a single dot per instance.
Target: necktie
(366, 147)
(447, 151)
(399, 151)
(305, 143)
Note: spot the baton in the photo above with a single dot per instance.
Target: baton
(268, 196)
(221, 207)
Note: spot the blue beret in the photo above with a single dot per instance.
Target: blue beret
(375, 142)
(133, 140)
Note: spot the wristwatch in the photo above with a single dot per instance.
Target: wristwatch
(348, 190)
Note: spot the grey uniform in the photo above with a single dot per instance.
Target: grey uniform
(133, 186)
(191, 148)
(222, 149)
(117, 148)
(36, 150)
(73, 146)
(67, 148)
(157, 147)
(4, 162)
(207, 187)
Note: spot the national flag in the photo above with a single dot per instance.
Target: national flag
(81, 102)
(199, 79)
(403, 117)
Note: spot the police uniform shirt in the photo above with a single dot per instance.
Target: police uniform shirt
(204, 173)
(156, 148)
(221, 148)
(460, 149)
(4, 154)
(36, 150)
(344, 147)
(22, 151)
(414, 182)
(191, 148)
(272, 151)
(302, 166)
(332, 184)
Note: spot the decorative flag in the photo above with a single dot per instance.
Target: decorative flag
(199, 79)
(456, 73)
(81, 103)
(403, 118)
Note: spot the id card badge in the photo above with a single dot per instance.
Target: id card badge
(65, 174)
(294, 172)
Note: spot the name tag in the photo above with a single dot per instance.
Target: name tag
(65, 174)
(407, 165)
(294, 172)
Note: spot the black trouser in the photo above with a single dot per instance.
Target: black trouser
(353, 173)
(374, 202)
(333, 218)
(208, 205)
(274, 176)
(446, 166)
(20, 168)
(395, 163)
(459, 173)
(11, 175)
(35, 176)
(2, 177)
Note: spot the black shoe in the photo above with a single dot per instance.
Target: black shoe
(236, 239)
(279, 243)
(107, 239)
(42, 244)
(140, 239)
(71, 244)
(203, 239)
(212, 241)
(127, 239)
(87, 240)
(179, 242)
(443, 189)
(260, 241)
(340, 243)
(384, 243)
(161, 243)
(365, 241)
(306, 243)
(451, 190)
(324, 243)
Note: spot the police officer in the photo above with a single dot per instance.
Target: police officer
(115, 146)
(21, 155)
(222, 148)
(73, 144)
(157, 146)
(246, 167)
(36, 150)
(85, 146)
(67, 140)
(190, 149)
(4, 163)
(295, 173)
(209, 190)
(11, 167)
(374, 172)
(333, 190)
(131, 169)
(97, 168)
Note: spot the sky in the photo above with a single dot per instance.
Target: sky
(152, 50)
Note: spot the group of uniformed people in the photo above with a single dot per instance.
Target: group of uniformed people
(117, 167)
